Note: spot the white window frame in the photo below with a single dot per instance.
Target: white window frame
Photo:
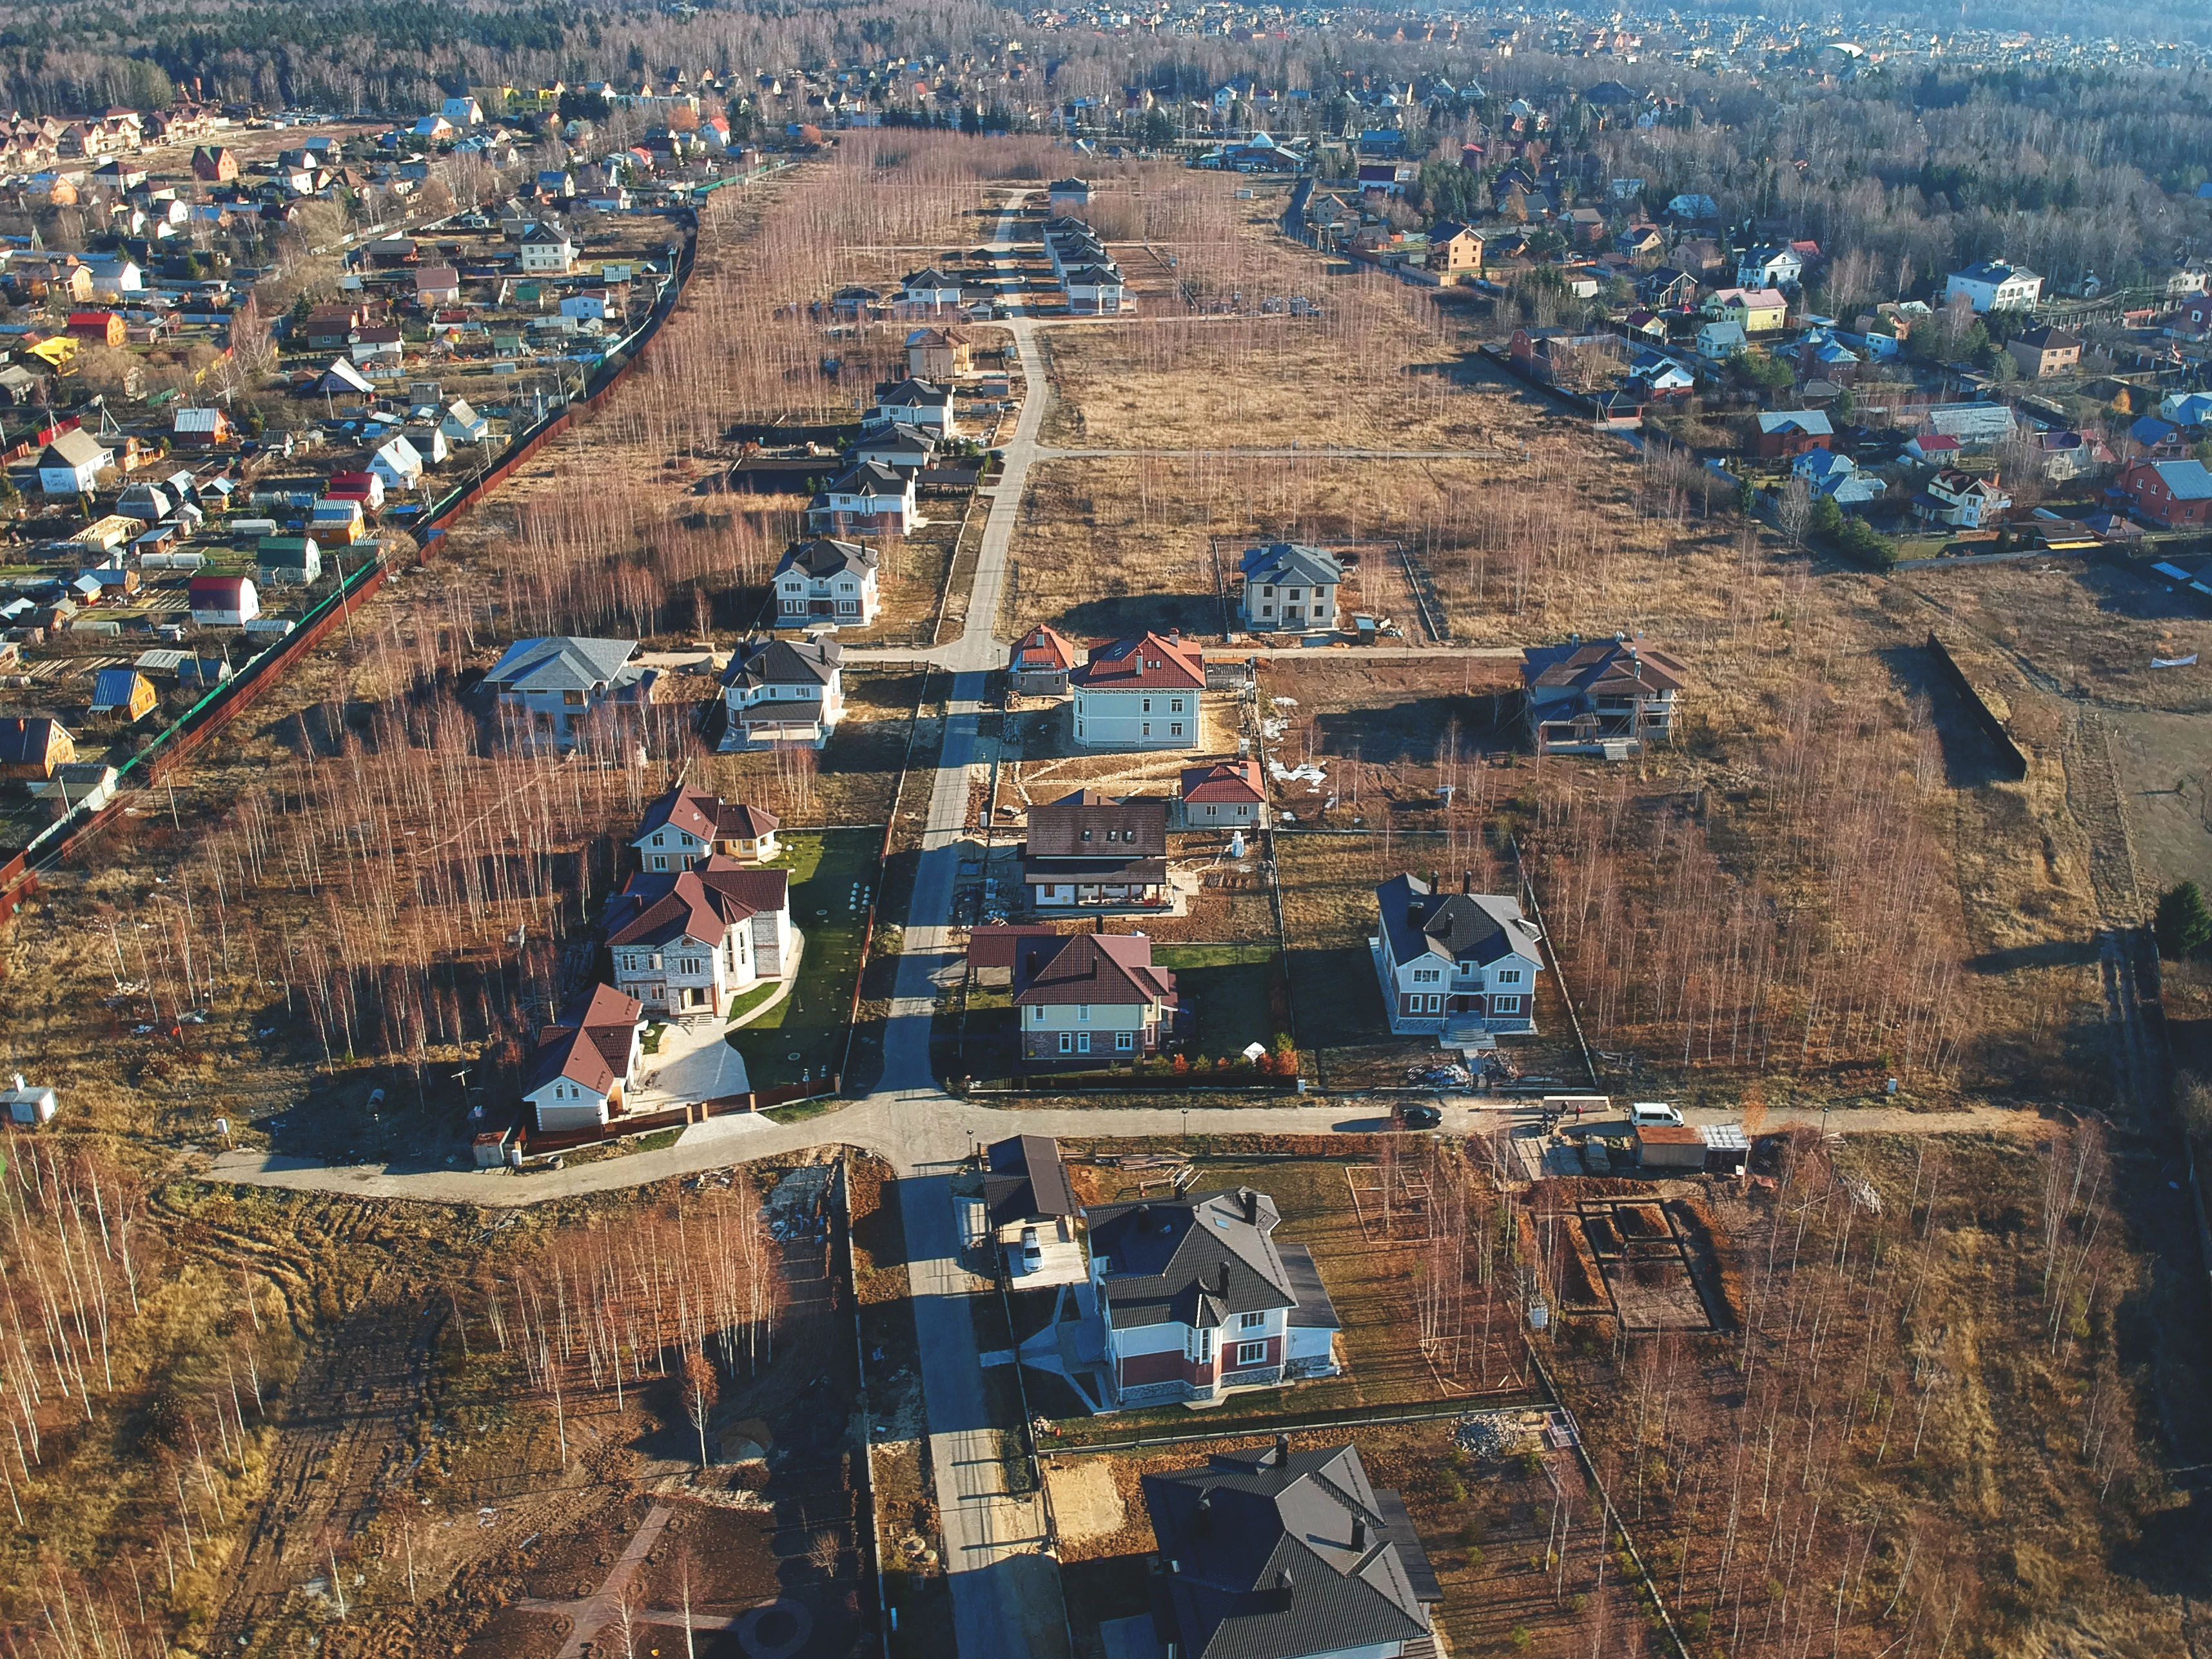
(1251, 1321)
(1250, 1354)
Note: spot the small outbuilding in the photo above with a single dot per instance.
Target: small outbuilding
(1670, 1146)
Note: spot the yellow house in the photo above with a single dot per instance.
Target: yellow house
(59, 353)
(1760, 310)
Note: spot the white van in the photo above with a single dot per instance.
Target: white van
(1650, 1113)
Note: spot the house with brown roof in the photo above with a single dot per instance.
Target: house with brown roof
(685, 944)
(1139, 694)
(1221, 795)
(214, 164)
(1088, 851)
(1087, 1000)
(687, 827)
(1608, 698)
(938, 354)
(1040, 661)
(585, 1061)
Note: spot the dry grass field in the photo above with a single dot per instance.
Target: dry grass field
(368, 1428)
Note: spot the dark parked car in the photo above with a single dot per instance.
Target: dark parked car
(1418, 1117)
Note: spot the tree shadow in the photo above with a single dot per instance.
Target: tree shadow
(1138, 613)
(1412, 730)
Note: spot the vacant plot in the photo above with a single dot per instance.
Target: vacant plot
(2084, 630)
(1236, 991)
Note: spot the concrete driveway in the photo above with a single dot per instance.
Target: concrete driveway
(695, 1062)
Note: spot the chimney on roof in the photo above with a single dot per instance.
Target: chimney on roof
(1224, 1278)
(1360, 1534)
(1204, 1518)
(1466, 882)
(1251, 1203)
(1282, 1451)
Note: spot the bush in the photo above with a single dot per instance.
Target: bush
(1521, 1637)
(1860, 540)
(2184, 926)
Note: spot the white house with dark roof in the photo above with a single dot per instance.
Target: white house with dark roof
(1196, 1297)
(930, 288)
(865, 499)
(1289, 586)
(821, 580)
(1277, 1554)
(1454, 965)
(784, 691)
(585, 1061)
(687, 827)
(556, 684)
(1095, 288)
(922, 404)
(903, 449)
(546, 250)
(1993, 285)
(1068, 195)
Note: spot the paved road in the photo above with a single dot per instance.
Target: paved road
(934, 1140)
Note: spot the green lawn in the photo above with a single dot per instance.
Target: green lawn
(741, 1005)
(1232, 989)
(833, 873)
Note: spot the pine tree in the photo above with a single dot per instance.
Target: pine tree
(2184, 926)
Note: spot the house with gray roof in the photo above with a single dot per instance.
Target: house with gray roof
(783, 691)
(553, 685)
(1196, 1297)
(1460, 966)
(1288, 585)
(1277, 1554)
(826, 581)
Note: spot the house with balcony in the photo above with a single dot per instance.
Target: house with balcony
(783, 691)
(1289, 585)
(867, 498)
(1084, 1001)
(823, 580)
(553, 685)
(1087, 851)
(1609, 698)
(1197, 1297)
(687, 827)
(686, 942)
(1963, 501)
(1460, 967)
(1993, 285)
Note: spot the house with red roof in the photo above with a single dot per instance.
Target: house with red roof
(1040, 662)
(1088, 999)
(687, 827)
(1139, 694)
(1224, 795)
(687, 943)
(585, 1061)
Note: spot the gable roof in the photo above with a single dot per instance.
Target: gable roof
(113, 688)
(869, 478)
(1234, 782)
(1480, 927)
(1279, 1555)
(1811, 422)
(1043, 647)
(590, 1044)
(701, 903)
(2187, 481)
(1077, 826)
(1113, 969)
(911, 393)
(1602, 667)
(1147, 662)
(1196, 1261)
(74, 448)
(1026, 1178)
(28, 740)
(563, 662)
(785, 662)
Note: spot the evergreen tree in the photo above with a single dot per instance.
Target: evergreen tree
(2184, 926)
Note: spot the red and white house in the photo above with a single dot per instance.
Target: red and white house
(1139, 694)
(1196, 1297)
(585, 1061)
